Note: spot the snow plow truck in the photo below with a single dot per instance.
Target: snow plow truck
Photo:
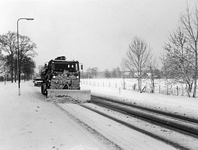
(62, 78)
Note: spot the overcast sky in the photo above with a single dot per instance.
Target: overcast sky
(95, 32)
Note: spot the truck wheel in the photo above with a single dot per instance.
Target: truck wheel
(43, 90)
(46, 92)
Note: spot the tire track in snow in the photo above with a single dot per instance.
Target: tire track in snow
(101, 137)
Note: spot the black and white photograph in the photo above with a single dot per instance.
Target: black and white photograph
(98, 74)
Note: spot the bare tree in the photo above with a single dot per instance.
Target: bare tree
(8, 45)
(189, 24)
(179, 60)
(28, 67)
(116, 73)
(182, 50)
(94, 71)
(137, 59)
(88, 73)
(2, 63)
(152, 67)
(26, 49)
(107, 73)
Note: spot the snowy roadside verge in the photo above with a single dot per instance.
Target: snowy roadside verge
(29, 122)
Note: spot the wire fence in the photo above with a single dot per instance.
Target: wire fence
(161, 85)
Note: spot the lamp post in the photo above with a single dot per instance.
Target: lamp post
(18, 52)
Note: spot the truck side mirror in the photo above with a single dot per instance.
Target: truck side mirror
(81, 67)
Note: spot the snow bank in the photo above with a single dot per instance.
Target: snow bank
(179, 105)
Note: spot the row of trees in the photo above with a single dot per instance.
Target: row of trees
(94, 73)
(9, 55)
(115, 73)
(91, 72)
(180, 60)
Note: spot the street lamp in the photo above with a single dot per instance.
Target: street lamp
(18, 65)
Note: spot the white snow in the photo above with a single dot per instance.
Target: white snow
(28, 121)
(182, 105)
(123, 136)
(146, 127)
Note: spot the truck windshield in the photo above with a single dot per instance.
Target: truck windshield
(72, 67)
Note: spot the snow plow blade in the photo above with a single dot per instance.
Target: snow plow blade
(81, 96)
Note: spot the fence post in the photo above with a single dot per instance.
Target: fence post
(124, 86)
(177, 91)
(167, 90)
(159, 89)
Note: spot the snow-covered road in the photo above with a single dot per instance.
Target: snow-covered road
(29, 122)
(126, 138)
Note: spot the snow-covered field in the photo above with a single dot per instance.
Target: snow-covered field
(30, 122)
(182, 105)
(161, 86)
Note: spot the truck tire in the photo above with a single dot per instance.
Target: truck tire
(43, 90)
